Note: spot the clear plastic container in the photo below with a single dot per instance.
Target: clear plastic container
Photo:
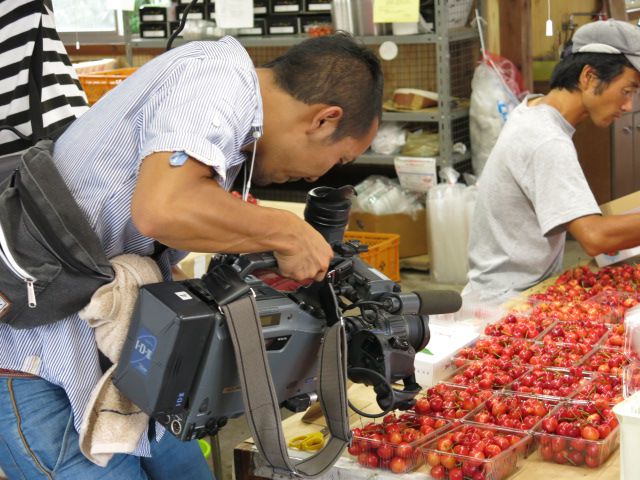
(615, 337)
(632, 334)
(560, 355)
(586, 332)
(572, 311)
(450, 401)
(601, 388)
(628, 414)
(487, 374)
(515, 325)
(506, 348)
(631, 379)
(616, 302)
(576, 450)
(605, 360)
(467, 450)
(511, 411)
(394, 445)
(553, 383)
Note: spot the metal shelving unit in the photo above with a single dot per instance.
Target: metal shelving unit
(449, 78)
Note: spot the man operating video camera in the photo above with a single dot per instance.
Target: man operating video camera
(153, 161)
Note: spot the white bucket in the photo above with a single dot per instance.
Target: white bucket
(628, 413)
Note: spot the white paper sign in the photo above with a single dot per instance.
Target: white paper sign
(417, 174)
(127, 5)
(234, 13)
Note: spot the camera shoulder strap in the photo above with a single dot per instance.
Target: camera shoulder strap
(261, 402)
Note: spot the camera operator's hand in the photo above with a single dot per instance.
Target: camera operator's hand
(307, 257)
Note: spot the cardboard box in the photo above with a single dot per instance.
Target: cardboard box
(414, 238)
(627, 204)
(434, 362)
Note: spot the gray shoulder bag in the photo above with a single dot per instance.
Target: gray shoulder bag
(51, 260)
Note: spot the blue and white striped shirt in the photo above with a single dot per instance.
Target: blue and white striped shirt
(202, 98)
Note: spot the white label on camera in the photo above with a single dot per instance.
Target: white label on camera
(183, 295)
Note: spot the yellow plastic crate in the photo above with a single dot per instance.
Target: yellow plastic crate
(97, 84)
(384, 251)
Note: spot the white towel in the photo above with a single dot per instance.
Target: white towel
(113, 424)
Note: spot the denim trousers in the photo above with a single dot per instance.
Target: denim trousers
(38, 441)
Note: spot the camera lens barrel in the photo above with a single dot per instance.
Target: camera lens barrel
(327, 210)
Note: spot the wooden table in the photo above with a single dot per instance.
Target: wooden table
(532, 468)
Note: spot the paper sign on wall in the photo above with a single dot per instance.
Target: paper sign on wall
(126, 5)
(391, 11)
(234, 13)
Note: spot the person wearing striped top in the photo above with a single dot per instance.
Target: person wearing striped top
(62, 97)
(154, 160)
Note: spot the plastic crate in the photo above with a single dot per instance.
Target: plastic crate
(97, 84)
(384, 251)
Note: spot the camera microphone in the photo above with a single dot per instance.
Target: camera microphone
(433, 302)
(436, 302)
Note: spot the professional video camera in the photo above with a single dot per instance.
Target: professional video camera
(178, 362)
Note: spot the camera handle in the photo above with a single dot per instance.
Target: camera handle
(261, 402)
(253, 261)
(388, 398)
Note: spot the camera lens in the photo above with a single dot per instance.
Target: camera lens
(327, 210)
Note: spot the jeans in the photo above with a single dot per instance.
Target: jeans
(38, 441)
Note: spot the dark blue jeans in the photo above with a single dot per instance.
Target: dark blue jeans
(38, 441)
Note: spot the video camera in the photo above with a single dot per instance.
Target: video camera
(178, 361)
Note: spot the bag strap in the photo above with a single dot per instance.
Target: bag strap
(35, 88)
(261, 402)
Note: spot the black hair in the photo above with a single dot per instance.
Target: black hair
(566, 74)
(337, 71)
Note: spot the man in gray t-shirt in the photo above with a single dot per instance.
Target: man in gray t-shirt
(532, 190)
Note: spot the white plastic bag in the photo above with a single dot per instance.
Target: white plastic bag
(382, 196)
(389, 139)
(493, 96)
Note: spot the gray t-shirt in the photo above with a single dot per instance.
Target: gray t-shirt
(531, 187)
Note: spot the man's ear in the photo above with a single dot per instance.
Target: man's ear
(587, 77)
(325, 121)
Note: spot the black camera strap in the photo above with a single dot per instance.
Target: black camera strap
(261, 402)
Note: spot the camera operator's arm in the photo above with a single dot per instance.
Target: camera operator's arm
(185, 208)
(609, 233)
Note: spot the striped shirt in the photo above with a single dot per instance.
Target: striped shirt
(62, 96)
(202, 98)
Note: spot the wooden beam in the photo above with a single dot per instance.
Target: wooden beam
(515, 37)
